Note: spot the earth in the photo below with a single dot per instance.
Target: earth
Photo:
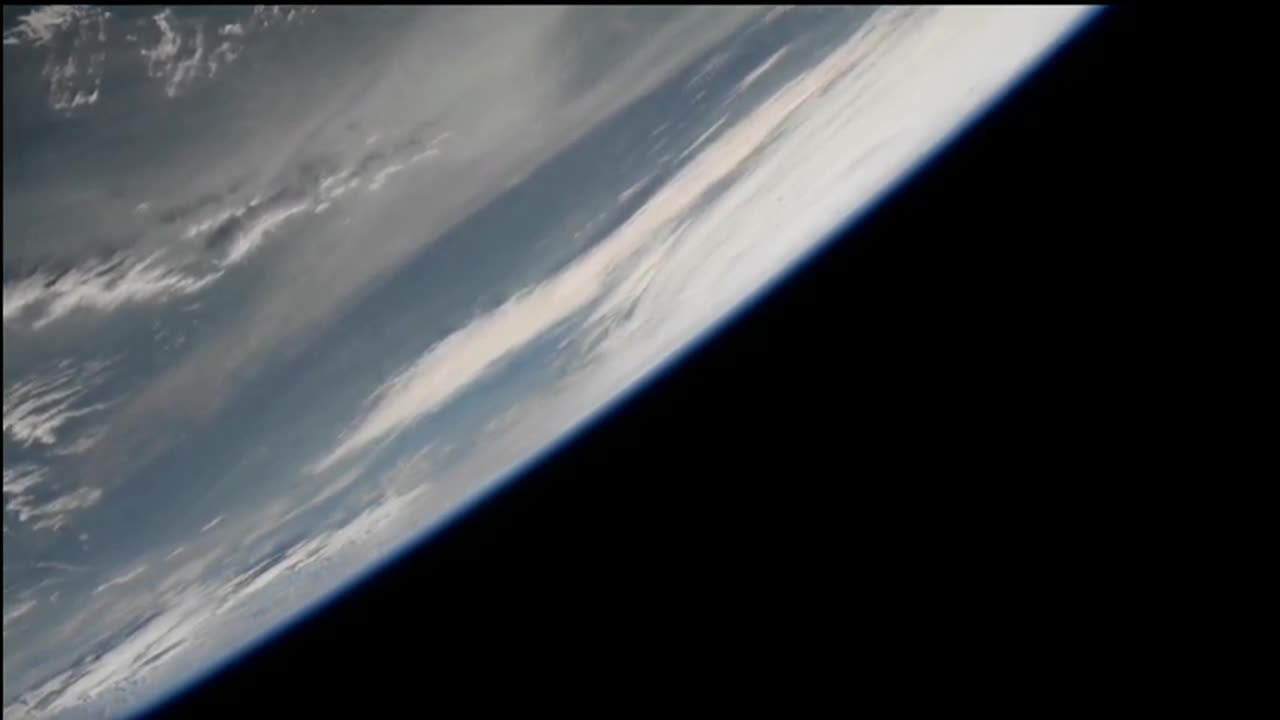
(287, 288)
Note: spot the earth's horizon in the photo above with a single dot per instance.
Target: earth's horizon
(287, 288)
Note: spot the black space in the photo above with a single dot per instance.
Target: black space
(893, 473)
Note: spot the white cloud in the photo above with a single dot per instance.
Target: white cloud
(66, 567)
(39, 26)
(56, 513)
(224, 54)
(205, 226)
(81, 444)
(706, 70)
(636, 187)
(329, 487)
(19, 499)
(262, 218)
(178, 58)
(81, 98)
(371, 525)
(36, 408)
(101, 286)
(265, 16)
(381, 177)
(188, 610)
(123, 579)
(701, 139)
(74, 38)
(418, 469)
(105, 285)
(776, 13)
(187, 69)
(450, 366)
(252, 237)
(126, 665)
(754, 75)
(19, 479)
(161, 58)
(68, 87)
(12, 615)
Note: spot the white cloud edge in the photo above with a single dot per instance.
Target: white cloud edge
(39, 405)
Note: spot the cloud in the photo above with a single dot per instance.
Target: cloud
(12, 615)
(776, 13)
(450, 366)
(60, 566)
(329, 487)
(128, 662)
(179, 56)
(754, 75)
(636, 187)
(702, 138)
(20, 499)
(233, 234)
(68, 89)
(253, 235)
(39, 26)
(155, 638)
(36, 408)
(381, 177)
(122, 580)
(75, 38)
(165, 62)
(81, 444)
(102, 286)
(708, 68)
(238, 232)
(372, 525)
(17, 480)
